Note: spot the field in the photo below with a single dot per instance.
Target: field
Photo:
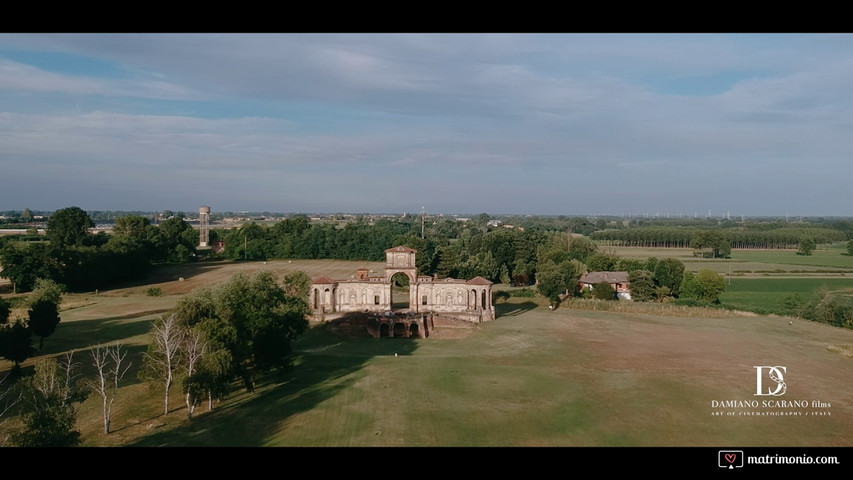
(824, 262)
(767, 295)
(533, 377)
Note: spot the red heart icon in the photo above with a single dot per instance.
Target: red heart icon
(730, 457)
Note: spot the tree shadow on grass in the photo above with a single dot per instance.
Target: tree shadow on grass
(81, 335)
(326, 364)
(513, 309)
(169, 273)
(108, 330)
(83, 358)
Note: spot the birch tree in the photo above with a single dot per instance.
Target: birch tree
(108, 362)
(48, 415)
(162, 358)
(7, 401)
(194, 346)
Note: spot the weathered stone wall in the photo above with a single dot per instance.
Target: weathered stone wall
(469, 299)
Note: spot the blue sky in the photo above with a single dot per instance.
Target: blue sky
(574, 124)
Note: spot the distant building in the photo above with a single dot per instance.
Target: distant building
(617, 280)
(217, 247)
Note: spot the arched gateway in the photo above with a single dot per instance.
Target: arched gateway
(464, 299)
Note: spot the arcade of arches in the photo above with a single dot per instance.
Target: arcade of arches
(469, 300)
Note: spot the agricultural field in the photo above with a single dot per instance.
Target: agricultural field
(532, 377)
(766, 295)
(828, 261)
(761, 280)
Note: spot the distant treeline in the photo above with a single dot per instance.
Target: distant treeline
(685, 237)
(501, 249)
(449, 248)
(72, 257)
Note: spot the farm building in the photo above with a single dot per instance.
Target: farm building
(617, 280)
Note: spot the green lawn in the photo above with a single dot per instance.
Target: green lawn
(767, 295)
(540, 378)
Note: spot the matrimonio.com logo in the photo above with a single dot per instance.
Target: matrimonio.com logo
(730, 459)
(775, 374)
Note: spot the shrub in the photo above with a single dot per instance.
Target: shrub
(154, 292)
(524, 293)
(603, 291)
(501, 295)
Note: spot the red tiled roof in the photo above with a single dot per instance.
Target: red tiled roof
(478, 281)
(608, 277)
(323, 281)
(402, 249)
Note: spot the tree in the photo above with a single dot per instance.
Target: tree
(661, 293)
(629, 265)
(711, 241)
(482, 264)
(850, 247)
(24, 264)
(553, 279)
(707, 285)
(446, 261)
(5, 310)
(602, 262)
(16, 343)
(212, 377)
(161, 360)
(253, 319)
(133, 226)
(108, 361)
(68, 227)
(603, 291)
(580, 248)
(297, 285)
(44, 309)
(174, 239)
(642, 285)
(44, 318)
(49, 416)
(807, 246)
(794, 304)
(194, 347)
(551, 283)
(669, 272)
(8, 401)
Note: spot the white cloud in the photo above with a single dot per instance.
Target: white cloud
(523, 113)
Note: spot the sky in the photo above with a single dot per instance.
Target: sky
(548, 124)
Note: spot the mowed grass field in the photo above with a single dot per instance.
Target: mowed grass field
(533, 377)
(543, 378)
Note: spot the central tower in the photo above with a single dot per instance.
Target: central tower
(401, 260)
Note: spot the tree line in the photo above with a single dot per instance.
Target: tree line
(80, 261)
(688, 237)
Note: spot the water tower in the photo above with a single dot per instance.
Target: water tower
(204, 225)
